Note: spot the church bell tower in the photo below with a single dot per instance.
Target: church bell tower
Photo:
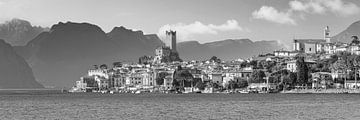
(327, 34)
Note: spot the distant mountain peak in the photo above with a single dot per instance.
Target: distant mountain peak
(18, 22)
(18, 32)
(73, 26)
(228, 49)
(122, 29)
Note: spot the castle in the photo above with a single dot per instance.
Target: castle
(165, 51)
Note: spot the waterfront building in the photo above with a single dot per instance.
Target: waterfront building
(217, 78)
(135, 79)
(148, 79)
(321, 80)
(291, 65)
(260, 87)
(119, 79)
(350, 84)
(86, 83)
(102, 82)
(282, 53)
(98, 72)
(168, 81)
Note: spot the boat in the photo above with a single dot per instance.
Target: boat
(142, 91)
(244, 91)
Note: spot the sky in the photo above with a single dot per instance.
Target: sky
(200, 20)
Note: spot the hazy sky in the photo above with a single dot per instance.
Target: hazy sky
(201, 20)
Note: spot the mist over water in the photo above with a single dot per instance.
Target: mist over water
(180, 106)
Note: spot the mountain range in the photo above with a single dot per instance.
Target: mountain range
(61, 55)
(65, 53)
(229, 49)
(18, 32)
(345, 36)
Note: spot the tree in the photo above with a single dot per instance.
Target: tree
(184, 77)
(96, 66)
(117, 64)
(215, 59)
(289, 79)
(244, 64)
(253, 63)
(355, 40)
(160, 78)
(103, 66)
(243, 84)
(231, 85)
(302, 71)
(339, 67)
(200, 85)
(257, 76)
(173, 56)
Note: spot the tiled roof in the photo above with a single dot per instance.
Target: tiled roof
(310, 40)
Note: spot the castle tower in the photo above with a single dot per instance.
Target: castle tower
(327, 34)
(171, 35)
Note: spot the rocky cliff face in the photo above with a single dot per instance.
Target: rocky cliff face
(15, 73)
(18, 32)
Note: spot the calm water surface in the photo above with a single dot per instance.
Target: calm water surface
(181, 106)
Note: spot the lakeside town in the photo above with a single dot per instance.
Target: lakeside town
(312, 66)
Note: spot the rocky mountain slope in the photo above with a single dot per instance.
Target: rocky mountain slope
(14, 71)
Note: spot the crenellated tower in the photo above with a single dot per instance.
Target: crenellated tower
(171, 35)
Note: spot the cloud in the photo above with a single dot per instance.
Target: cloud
(323, 6)
(302, 7)
(188, 31)
(273, 15)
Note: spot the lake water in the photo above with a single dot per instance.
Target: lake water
(180, 106)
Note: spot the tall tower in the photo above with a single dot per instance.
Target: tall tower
(327, 34)
(171, 35)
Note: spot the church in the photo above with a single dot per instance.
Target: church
(314, 46)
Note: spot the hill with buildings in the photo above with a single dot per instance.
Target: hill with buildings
(345, 36)
(18, 32)
(14, 71)
(226, 49)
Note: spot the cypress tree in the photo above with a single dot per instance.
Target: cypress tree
(302, 71)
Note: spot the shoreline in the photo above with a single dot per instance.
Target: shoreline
(321, 91)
